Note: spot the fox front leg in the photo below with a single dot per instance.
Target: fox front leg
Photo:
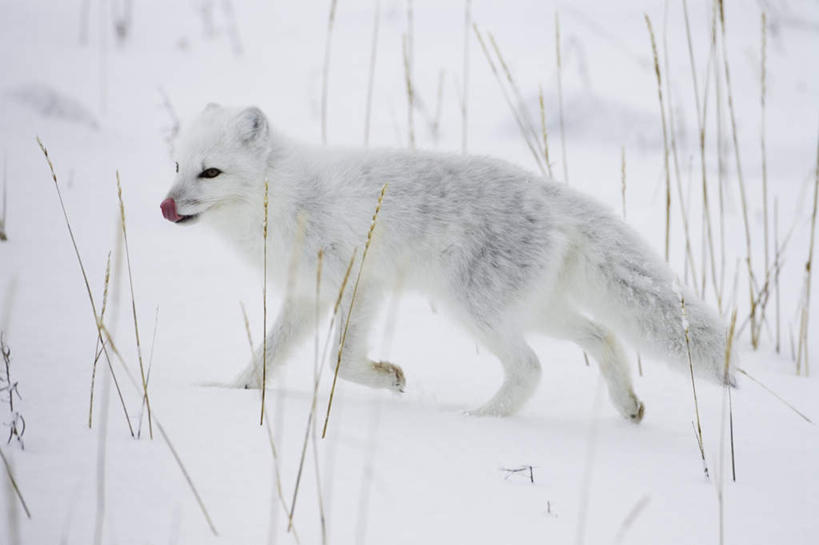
(292, 325)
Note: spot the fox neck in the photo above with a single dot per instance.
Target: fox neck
(242, 221)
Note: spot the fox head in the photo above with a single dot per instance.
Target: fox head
(220, 159)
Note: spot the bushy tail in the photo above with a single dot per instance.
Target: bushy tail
(629, 288)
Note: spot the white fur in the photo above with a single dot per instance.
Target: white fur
(505, 251)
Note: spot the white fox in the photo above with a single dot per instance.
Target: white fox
(505, 251)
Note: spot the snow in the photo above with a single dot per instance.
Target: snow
(394, 469)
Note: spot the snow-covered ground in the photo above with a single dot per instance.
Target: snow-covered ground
(408, 469)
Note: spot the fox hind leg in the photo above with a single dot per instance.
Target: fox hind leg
(604, 347)
(521, 370)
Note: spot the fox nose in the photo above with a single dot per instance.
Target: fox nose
(168, 207)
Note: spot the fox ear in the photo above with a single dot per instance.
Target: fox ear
(251, 125)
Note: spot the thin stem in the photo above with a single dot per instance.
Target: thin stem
(805, 315)
(97, 319)
(740, 178)
(162, 433)
(14, 484)
(326, 70)
(665, 140)
(560, 97)
(371, 74)
(350, 309)
(410, 91)
(515, 113)
(97, 351)
(133, 308)
(264, 297)
(546, 158)
(465, 93)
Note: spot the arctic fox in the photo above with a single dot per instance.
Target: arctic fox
(505, 251)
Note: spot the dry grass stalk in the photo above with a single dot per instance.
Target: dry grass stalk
(371, 76)
(310, 418)
(435, 124)
(97, 320)
(725, 397)
(763, 292)
(763, 80)
(698, 429)
(318, 368)
(731, 435)
(623, 178)
(12, 511)
(465, 92)
(97, 349)
(545, 133)
(247, 327)
(560, 97)
(264, 294)
(133, 309)
(623, 195)
(374, 411)
(326, 70)
(279, 490)
(14, 485)
(102, 457)
(187, 476)
(665, 139)
(316, 374)
(148, 373)
(802, 352)
(741, 179)
(689, 255)
(3, 235)
(777, 396)
(410, 36)
(591, 451)
(410, 92)
(350, 309)
(104, 31)
(518, 119)
(776, 275)
(691, 60)
(336, 306)
(17, 423)
(368, 471)
(524, 114)
(702, 111)
(632, 515)
(271, 440)
(110, 342)
(718, 141)
(409, 68)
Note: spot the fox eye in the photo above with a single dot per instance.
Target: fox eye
(210, 173)
(177, 166)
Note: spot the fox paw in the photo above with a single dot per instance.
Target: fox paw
(393, 375)
(629, 405)
(247, 379)
(634, 410)
(496, 408)
(637, 415)
(485, 412)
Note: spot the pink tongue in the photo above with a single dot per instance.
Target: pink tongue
(168, 207)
